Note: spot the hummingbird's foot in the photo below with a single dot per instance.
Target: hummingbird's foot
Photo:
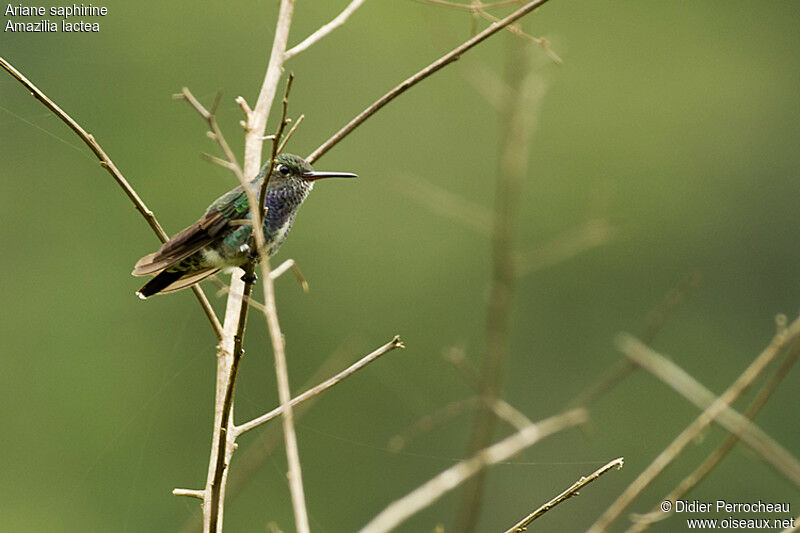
(252, 278)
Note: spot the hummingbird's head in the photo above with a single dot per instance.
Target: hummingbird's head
(295, 171)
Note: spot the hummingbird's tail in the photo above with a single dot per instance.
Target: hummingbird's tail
(170, 281)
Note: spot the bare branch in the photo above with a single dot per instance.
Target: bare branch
(215, 133)
(255, 127)
(322, 387)
(191, 493)
(112, 169)
(642, 522)
(523, 524)
(400, 510)
(421, 75)
(340, 19)
(726, 416)
(665, 458)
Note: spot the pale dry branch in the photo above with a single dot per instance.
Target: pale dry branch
(479, 10)
(688, 483)
(523, 524)
(688, 387)
(191, 493)
(340, 19)
(112, 169)
(322, 387)
(443, 61)
(470, 7)
(400, 510)
(214, 131)
(690, 433)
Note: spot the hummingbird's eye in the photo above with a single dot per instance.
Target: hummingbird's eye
(283, 169)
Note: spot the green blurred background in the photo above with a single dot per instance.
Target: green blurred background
(675, 123)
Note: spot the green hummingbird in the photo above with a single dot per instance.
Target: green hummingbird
(221, 238)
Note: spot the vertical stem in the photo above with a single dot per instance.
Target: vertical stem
(517, 119)
(236, 310)
(229, 356)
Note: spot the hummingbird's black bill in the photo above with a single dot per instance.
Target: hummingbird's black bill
(314, 175)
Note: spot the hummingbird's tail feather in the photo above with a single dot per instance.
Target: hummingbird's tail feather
(166, 281)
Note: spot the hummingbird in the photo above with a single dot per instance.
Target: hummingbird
(223, 237)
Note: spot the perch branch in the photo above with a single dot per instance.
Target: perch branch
(255, 127)
(112, 169)
(523, 524)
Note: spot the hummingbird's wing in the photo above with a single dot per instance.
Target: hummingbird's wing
(212, 226)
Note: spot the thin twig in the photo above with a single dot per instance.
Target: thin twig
(469, 7)
(523, 524)
(191, 493)
(340, 19)
(715, 457)
(400, 510)
(291, 132)
(665, 458)
(322, 387)
(214, 131)
(688, 387)
(421, 75)
(258, 220)
(112, 169)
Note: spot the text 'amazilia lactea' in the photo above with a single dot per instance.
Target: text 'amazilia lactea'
(223, 238)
